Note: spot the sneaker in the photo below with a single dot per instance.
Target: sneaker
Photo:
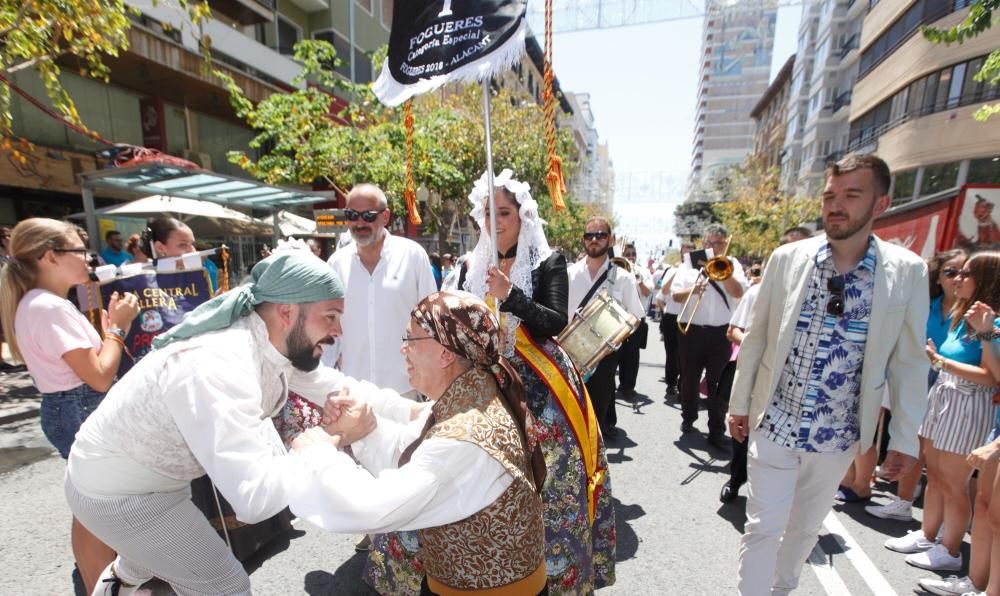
(363, 543)
(949, 586)
(913, 542)
(896, 509)
(936, 559)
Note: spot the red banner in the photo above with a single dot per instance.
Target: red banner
(154, 123)
(924, 230)
(976, 218)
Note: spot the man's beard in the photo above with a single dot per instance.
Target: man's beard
(852, 226)
(595, 253)
(300, 349)
(375, 236)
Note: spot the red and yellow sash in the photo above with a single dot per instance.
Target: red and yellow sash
(582, 420)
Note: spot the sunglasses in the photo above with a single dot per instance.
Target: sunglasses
(950, 272)
(595, 235)
(835, 285)
(368, 216)
(629, 254)
(755, 272)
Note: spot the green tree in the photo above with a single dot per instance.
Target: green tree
(758, 212)
(979, 19)
(301, 143)
(49, 35)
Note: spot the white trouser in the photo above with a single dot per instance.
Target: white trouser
(162, 535)
(790, 492)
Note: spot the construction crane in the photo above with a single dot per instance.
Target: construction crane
(580, 15)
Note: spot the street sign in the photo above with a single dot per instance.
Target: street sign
(330, 221)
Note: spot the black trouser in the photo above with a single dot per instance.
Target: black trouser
(628, 362)
(601, 387)
(704, 349)
(738, 465)
(671, 368)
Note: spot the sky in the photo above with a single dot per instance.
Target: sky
(642, 82)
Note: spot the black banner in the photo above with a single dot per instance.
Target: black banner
(434, 42)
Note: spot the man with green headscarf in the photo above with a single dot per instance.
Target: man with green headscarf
(199, 403)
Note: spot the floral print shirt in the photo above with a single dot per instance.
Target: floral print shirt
(815, 406)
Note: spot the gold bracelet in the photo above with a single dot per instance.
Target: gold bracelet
(120, 342)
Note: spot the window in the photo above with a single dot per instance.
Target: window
(984, 171)
(387, 7)
(955, 90)
(972, 91)
(289, 34)
(939, 177)
(930, 94)
(902, 188)
(944, 85)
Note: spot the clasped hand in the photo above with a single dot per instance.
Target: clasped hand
(347, 418)
(498, 283)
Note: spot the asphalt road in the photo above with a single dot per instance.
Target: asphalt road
(674, 536)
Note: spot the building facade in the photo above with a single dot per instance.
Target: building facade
(159, 97)
(822, 85)
(914, 101)
(770, 118)
(737, 43)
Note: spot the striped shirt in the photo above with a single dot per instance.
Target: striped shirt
(815, 406)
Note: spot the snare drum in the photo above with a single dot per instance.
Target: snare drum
(596, 331)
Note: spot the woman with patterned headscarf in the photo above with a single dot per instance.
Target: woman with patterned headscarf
(467, 460)
(530, 285)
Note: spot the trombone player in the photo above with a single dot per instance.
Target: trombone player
(709, 305)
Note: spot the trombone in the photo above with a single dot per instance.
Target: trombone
(717, 268)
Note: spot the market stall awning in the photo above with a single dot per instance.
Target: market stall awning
(163, 178)
(205, 218)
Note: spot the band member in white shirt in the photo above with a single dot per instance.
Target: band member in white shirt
(596, 272)
(704, 348)
(628, 360)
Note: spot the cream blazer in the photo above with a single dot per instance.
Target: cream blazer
(894, 350)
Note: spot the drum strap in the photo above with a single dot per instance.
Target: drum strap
(593, 288)
(577, 409)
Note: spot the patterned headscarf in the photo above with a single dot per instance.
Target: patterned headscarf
(464, 324)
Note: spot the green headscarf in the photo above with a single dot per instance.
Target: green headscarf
(292, 277)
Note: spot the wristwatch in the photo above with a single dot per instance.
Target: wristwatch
(938, 364)
(116, 331)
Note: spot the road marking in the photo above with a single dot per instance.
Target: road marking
(828, 576)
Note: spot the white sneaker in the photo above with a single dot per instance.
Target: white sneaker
(936, 559)
(949, 586)
(912, 542)
(895, 509)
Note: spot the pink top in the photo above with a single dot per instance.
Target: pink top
(47, 327)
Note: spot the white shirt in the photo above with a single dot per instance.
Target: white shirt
(445, 481)
(741, 316)
(713, 310)
(377, 309)
(620, 285)
(197, 406)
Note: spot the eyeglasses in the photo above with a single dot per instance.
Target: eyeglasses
(368, 216)
(588, 236)
(81, 251)
(835, 285)
(630, 254)
(755, 272)
(950, 272)
(963, 274)
(407, 339)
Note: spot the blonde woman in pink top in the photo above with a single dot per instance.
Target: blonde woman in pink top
(71, 364)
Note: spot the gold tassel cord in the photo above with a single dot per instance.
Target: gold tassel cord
(554, 176)
(409, 191)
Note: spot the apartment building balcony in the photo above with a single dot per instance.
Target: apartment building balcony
(842, 101)
(246, 12)
(850, 45)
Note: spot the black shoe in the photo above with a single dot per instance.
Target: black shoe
(672, 390)
(729, 492)
(718, 441)
(687, 427)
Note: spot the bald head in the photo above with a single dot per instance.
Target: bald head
(367, 192)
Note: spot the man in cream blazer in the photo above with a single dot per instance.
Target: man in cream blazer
(838, 316)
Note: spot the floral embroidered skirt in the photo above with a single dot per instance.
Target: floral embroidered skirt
(579, 557)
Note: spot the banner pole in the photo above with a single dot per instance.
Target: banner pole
(489, 171)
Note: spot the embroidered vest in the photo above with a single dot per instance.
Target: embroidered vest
(504, 542)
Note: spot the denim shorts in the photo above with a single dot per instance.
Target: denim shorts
(63, 412)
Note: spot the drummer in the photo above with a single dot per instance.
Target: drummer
(166, 237)
(587, 278)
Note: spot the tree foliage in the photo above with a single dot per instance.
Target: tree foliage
(979, 19)
(299, 142)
